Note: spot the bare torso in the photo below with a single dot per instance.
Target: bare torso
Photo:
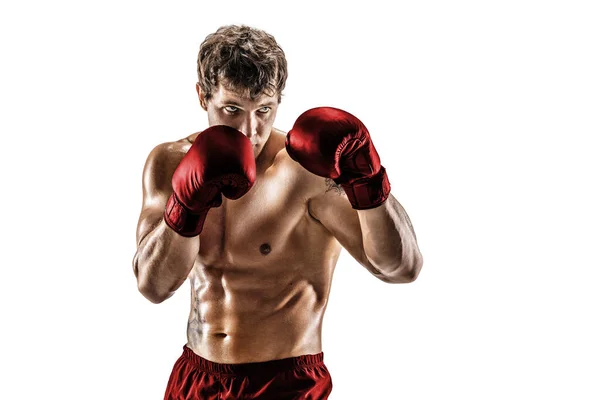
(260, 283)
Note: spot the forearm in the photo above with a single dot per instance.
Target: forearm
(163, 261)
(389, 241)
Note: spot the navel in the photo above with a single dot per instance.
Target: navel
(265, 249)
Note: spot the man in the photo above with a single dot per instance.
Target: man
(255, 219)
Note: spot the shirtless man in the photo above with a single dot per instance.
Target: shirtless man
(255, 219)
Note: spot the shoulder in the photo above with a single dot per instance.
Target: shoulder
(162, 161)
(311, 185)
(168, 152)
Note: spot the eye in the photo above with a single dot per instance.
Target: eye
(264, 110)
(231, 109)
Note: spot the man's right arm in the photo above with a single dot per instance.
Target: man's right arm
(163, 258)
(219, 163)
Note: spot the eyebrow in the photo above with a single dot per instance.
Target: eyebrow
(235, 103)
(232, 102)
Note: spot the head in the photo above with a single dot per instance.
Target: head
(241, 76)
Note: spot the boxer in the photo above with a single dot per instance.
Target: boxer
(255, 219)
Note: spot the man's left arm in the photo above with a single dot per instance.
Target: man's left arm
(381, 239)
(334, 144)
(389, 241)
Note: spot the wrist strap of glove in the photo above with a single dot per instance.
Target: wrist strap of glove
(182, 220)
(366, 193)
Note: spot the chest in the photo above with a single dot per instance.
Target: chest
(257, 227)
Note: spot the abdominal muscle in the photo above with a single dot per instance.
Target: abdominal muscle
(239, 316)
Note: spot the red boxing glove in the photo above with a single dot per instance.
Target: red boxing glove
(335, 144)
(220, 161)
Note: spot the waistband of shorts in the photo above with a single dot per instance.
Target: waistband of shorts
(253, 368)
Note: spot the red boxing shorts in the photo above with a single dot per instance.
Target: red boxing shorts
(196, 378)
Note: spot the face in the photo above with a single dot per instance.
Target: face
(253, 117)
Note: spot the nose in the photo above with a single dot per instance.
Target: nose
(249, 127)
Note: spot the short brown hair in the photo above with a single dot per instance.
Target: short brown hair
(242, 58)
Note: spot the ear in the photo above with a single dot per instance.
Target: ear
(201, 97)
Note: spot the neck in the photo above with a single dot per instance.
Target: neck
(265, 158)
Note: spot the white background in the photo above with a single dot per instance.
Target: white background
(483, 113)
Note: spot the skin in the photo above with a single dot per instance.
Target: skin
(260, 272)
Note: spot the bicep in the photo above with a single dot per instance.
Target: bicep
(333, 210)
(156, 188)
